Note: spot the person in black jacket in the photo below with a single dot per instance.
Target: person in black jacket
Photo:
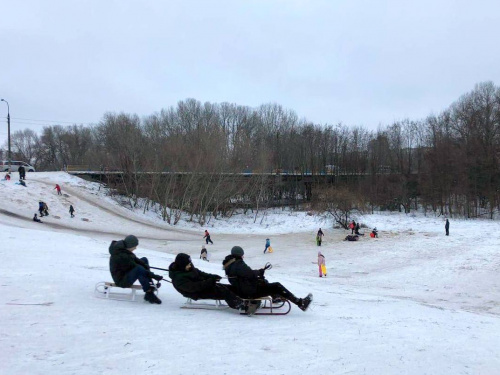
(195, 284)
(126, 268)
(447, 227)
(22, 173)
(248, 283)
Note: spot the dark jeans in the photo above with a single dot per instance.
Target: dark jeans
(221, 291)
(141, 274)
(209, 240)
(274, 289)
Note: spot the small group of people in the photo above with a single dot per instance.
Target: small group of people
(244, 285)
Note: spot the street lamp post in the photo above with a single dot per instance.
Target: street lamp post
(9, 156)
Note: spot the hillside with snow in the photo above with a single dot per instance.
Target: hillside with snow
(413, 301)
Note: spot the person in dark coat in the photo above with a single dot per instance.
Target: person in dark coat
(356, 230)
(250, 283)
(447, 227)
(195, 284)
(35, 218)
(22, 173)
(71, 210)
(207, 236)
(40, 208)
(319, 237)
(126, 268)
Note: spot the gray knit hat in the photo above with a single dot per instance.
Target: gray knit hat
(131, 241)
(237, 251)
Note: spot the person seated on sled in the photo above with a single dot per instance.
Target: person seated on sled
(35, 218)
(126, 268)
(374, 233)
(195, 284)
(248, 283)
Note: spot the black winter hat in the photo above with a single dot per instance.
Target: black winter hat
(182, 260)
(131, 241)
(237, 251)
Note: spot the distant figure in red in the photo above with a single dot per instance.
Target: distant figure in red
(58, 188)
(207, 236)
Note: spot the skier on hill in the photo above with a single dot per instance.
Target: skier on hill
(207, 236)
(195, 284)
(248, 283)
(71, 210)
(126, 268)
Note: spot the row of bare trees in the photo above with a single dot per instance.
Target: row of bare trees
(447, 163)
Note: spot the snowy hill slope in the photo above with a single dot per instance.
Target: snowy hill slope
(412, 301)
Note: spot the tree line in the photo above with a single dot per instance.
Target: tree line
(447, 163)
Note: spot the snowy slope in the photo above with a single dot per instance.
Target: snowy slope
(413, 301)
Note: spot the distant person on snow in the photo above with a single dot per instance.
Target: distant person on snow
(40, 208)
(207, 236)
(321, 264)
(268, 245)
(126, 268)
(7, 177)
(447, 227)
(374, 233)
(45, 209)
(22, 173)
(356, 230)
(58, 188)
(195, 284)
(352, 226)
(71, 210)
(248, 283)
(319, 237)
(204, 253)
(35, 218)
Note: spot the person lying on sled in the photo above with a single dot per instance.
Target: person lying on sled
(195, 284)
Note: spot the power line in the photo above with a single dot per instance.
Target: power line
(49, 121)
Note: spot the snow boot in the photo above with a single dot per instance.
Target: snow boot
(305, 302)
(252, 307)
(151, 297)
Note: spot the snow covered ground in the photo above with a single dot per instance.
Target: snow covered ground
(410, 302)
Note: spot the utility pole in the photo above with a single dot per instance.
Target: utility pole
(9, 156)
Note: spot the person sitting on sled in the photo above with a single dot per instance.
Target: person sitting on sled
(126, 268)
(248, 283)
(374, 233)
(195, 284)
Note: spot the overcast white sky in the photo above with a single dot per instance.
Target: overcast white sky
(357, 62)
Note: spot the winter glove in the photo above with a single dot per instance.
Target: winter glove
(157, 277)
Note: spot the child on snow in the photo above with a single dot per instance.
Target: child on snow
(321, 264)
(268, 246)
(71, 210)
(319, 237)
(35, 218)
(204, 253)
(58, 188)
